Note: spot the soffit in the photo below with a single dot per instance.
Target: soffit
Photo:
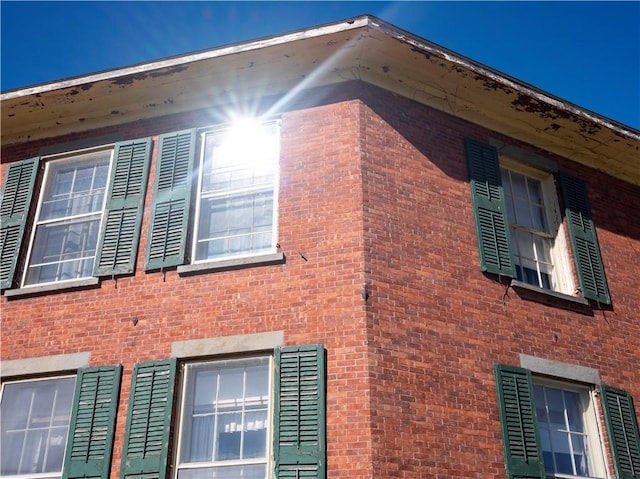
(226, 76)
(364, 48)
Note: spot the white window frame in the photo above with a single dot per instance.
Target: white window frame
(49, 160)
(199, 196)
(562, 278)
(593, 429)
(267, 461)
(43, 475)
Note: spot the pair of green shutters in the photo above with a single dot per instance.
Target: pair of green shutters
(118, 242)
(117, 248)
(520, 436)
(492, 225)
(299, 418)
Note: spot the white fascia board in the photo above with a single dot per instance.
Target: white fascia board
(192, 57)
(502, 78)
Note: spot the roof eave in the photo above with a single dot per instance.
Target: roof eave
(364, 48)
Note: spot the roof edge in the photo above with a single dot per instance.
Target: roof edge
(498, 76)
(178, 60)
(353, 23)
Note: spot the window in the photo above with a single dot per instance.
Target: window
(35, 422)
(87, 220)
(238, 173)
(550, 427)
(234, 416)
(531, 203)
(235, 211)
(68, 218)
(520, 229)
(568, 431)
(224, 420)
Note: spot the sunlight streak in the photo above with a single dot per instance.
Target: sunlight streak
(325, 67)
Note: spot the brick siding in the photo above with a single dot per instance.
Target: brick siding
(373, 194)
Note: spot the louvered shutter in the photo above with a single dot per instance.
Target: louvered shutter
(91, 430)
(299, 429)
(17, 192)
(118, 244)
(492, 225)
(166, 244)
(584, 241)
(623, 431)
(149, 420)
(519, 425)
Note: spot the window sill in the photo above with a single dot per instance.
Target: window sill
(232, 264)
(519, 285)
(51, 288)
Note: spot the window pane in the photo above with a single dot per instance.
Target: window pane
(201, 438)
(523, 213)
(255, 435)
(231, 387)
(555, 406)
(541, 407)
(32, 460)
(561, 452)
(547, 454)
(34, 427)
(62, 404)
(57, 443)
(12, 444)
(205, 390)
(574, 411)
(538, 218)
(506, 182)
(258, 383)
(518, 184)
(542, 252)
(228, 436)
(534, 191)
(580, 456)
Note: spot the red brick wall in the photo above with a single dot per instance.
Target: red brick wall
(438, 324)
(372, 192)
(317, 300)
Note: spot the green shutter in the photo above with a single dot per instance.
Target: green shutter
(299, 429)
(118, 245)
(623, 431)
(92, 424)
(17, 191)
(166, 244)
(148, 426)
(519, 425)
(492, 225)
(586, 250)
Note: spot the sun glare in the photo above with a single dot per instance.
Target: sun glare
(248, 141)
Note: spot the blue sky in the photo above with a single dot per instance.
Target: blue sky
(585, 52)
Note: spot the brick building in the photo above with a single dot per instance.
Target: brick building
(408, 266)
